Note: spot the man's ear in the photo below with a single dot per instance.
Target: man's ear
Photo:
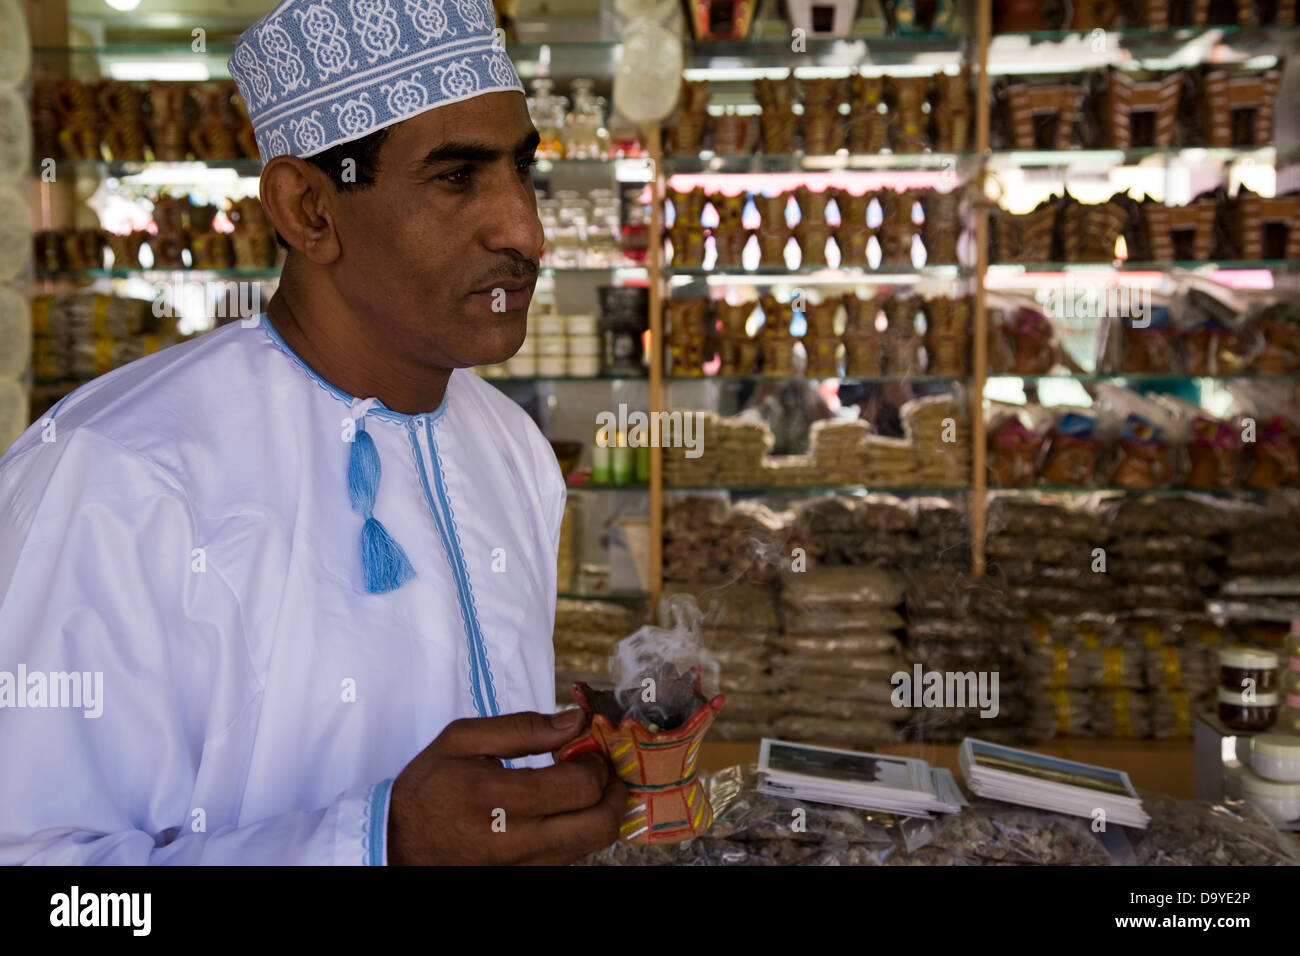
(299, 201)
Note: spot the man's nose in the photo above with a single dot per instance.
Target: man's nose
(512, 222)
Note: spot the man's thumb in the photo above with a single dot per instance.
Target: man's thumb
(512, 735)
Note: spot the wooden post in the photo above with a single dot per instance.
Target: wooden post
(979, 474)
(654, 263)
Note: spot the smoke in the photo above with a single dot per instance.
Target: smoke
(654, 670)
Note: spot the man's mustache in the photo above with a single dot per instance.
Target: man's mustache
(519, 271)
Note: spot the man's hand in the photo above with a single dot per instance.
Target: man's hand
(446, 800)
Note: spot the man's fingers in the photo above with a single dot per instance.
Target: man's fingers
(510, 735)
(569, 836)
(572, 785)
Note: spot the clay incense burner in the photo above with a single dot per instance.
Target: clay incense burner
(666, 802)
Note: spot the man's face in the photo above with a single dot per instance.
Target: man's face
(440, 255)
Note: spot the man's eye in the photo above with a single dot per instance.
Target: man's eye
(457, 177)
(526, 163)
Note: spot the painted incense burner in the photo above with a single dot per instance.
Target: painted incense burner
(775, 341)
(739, 352)
(862, 341)
(868, 127)
(666, 801)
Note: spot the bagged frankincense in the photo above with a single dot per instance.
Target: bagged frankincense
(1171, 714)
(837, 645)
(999, 833)
(1017, 515)
(1121, 714)
(1191, 833)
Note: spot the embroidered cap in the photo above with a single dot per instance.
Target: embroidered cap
(317, 73)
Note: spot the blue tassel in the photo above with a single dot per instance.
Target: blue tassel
(383, 562)
(363, 472)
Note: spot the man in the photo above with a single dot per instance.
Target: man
(281, 559)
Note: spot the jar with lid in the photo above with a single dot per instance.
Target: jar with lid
(1243, 667)
(1240, 710)
(1278, 801)
(566, 248)
(547, 111)
(585, 136)
(1276, 757)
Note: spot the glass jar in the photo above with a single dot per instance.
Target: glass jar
(547, 112)
(1239, 665)
(1276, 757)
(1280, 802)
(566, 247)
(585, 136)
(1250, 716)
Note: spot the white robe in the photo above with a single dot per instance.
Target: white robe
(188, 534)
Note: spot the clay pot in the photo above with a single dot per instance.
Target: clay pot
(211, 139)
(952, 111)
(48, 247)
(947, 336)
(868, 128)
(167, 100)
(83, 249)
(170, 140)
(900, 346)
(861, 356)
(688, 207)
(79, 142)
(896, 226)
(720, 19)
(73, 99)
(168, 249)
(729, 235)
(121, 101)
(907, 120)
(247, 141)
(666, 802)
(688, 246)
(812, 238)
(125, 140)
(734, 134)
(248, 212)
(212, 250)
(942, 227)
(126, 248)
(821, 318)
(686, 135)
(775, 343)
(254, 248)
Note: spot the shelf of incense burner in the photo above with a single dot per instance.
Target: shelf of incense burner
(822, 274)
(1107, 159)
(1021, 269)
(751, 163)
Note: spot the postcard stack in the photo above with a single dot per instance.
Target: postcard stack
(847, 778)
(1050, 783)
